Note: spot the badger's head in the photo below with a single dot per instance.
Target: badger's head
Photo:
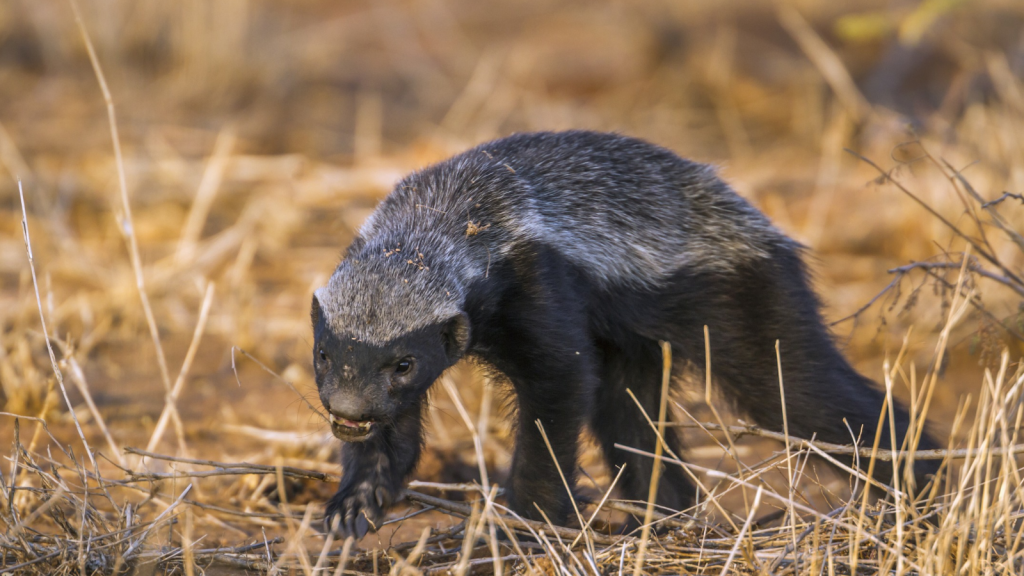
(382, 335)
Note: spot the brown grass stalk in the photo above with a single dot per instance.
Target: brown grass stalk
(127, 226)
(789, 456)
(46, 335)
(826, 61)
(210, 184)
(652, 495)
(170, 406)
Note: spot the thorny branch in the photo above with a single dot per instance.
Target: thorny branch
(984, 216)
(1005, 196)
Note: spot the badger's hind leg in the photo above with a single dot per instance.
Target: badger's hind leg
(747, 311)
(636, 364)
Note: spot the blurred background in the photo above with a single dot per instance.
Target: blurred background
(258, 134)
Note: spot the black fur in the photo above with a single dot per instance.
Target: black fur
(572, 332)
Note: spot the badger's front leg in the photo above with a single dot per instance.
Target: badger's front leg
(539, 339)
(534, 482)
(373, 473)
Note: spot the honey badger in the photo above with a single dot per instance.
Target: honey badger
(560, 260)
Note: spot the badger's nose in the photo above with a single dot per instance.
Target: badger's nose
(346, 406)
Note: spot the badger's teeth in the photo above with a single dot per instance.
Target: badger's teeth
(364, 425)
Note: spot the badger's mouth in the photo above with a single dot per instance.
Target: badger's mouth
(351, 430)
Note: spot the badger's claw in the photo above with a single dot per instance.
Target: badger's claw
(356, 508)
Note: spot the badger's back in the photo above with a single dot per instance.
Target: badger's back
(623, 210)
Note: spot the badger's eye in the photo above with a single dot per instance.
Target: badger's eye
(323, 355)
(404, 366)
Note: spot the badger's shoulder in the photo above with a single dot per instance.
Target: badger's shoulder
(416, 255)
(439, 200)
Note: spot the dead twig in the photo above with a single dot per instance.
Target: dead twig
(465, 510)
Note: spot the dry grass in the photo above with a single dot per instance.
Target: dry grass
(173, 265)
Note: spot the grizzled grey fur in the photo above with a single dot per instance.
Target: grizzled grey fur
(560, 260)
(414, 258)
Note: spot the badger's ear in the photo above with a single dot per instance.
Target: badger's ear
(316, 314)
(456, 337)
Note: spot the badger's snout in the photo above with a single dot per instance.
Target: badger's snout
(351, 414)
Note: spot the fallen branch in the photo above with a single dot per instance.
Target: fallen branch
(223, 469)
(844, 449)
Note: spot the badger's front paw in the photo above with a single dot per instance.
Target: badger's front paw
(358, 507)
